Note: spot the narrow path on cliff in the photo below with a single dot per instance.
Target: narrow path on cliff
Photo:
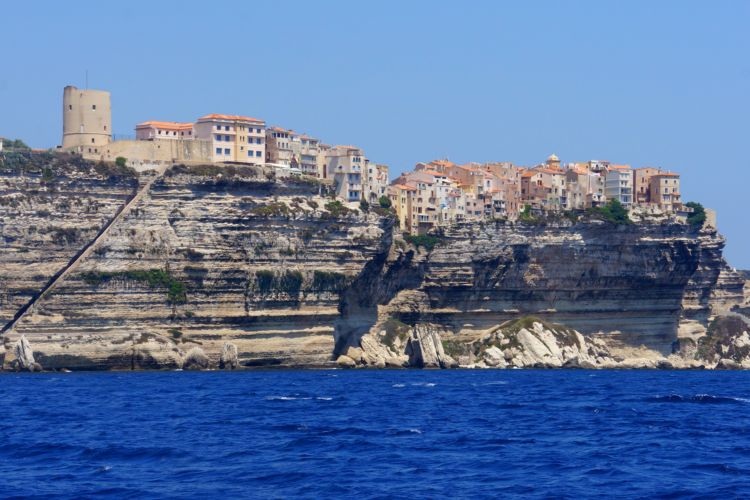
(85, 251)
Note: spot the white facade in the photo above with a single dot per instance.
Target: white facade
(619, 186)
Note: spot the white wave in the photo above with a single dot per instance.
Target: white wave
(398, 385)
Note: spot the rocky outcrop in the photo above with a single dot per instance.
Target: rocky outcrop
(196, 359)
(23, 357)
(229, 359)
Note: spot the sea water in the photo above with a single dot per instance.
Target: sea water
(375, 434)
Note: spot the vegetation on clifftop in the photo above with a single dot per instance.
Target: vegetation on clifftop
(698, 217)
(612, 212)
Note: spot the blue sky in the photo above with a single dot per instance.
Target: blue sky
(640, 82)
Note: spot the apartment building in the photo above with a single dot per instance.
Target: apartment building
(544, 188)
(233, 138)
(307, 151)
(344, 164)
(665, 191)
(642, 184)
(376, 181)
(584, 189)
(279, 149)
(619, 184)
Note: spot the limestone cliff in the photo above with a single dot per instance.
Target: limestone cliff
(229, 267)
(51, 206)
(210, 255)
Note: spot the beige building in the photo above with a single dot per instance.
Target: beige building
(376, 181)
(152, 130)
(344, 164)
(87, 120)
(307, 151)
(233, 138)
(280, 146)
(665, 191)
(642, 184)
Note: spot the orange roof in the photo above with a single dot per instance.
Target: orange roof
(405, 188)
(530, 173)
(431, 172)
(619, 167)
(444, 163)
(666, 174)
(165, 125)
(234, 118)
(545, 170)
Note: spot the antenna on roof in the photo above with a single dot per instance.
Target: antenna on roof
(87, 80)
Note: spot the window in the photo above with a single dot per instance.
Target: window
(70, 107)
(250, 153)
(92, 140)
(242, 148)
(218, 151)
(105, 127)
(226, 127)
(218, 137)
(226, 151)
(257, 153)
(226, 138)
(93, 106)
(258, 141)
(257, 130)
(159, 132)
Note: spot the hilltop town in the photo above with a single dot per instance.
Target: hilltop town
(433, 195)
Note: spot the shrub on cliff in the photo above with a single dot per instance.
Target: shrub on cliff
(121, 161)
(384, 202)
(698, 217)
(155, 278)
(612, 212)
(427, 241)
(14, 144)
(527, 216)
(289, 282)
(336, 210)
(325, 281)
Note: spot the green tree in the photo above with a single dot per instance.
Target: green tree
(121, 161)
(385, 202)
(698, 217)
(613, 212)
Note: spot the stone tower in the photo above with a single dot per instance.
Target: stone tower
(87, 118)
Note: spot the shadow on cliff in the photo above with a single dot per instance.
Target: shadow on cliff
(389, 272)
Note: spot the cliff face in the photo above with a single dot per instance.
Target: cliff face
(50, 207)
(636, 284)
(206, 259)
(217, 266)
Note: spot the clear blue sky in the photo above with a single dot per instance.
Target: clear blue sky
(648, 83)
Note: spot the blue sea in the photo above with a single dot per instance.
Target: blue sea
(375, 434)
